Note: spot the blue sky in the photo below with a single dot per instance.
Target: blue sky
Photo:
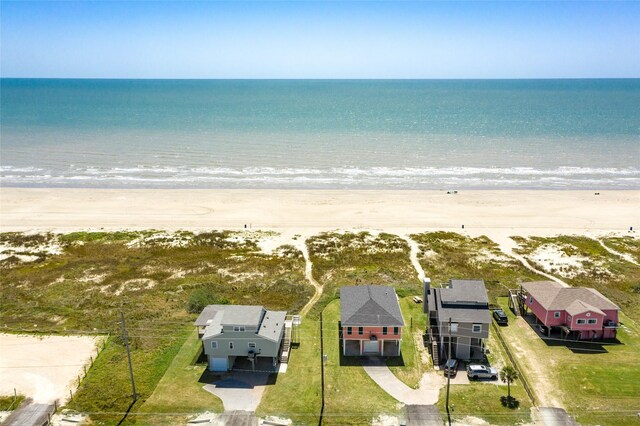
(362, 39)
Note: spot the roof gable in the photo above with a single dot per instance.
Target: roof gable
(578, 307)
(553, 296)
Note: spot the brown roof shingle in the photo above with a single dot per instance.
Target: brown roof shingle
(553, 296)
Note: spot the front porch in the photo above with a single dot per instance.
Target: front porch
(353, 347)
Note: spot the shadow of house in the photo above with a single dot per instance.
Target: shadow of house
(555, 338)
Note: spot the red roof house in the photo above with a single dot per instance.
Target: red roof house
(580, 312)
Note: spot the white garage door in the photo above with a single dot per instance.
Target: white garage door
(371, 346)
(218, 364)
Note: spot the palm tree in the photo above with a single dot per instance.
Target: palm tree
(508, 375)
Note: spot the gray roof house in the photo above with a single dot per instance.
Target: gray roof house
(466, 305)
(371, 321)
(232, 331)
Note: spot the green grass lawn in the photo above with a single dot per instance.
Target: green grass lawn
(411, 366)
(297, 393)
(448, 255)
(596, 384)
(179, 393)
(106, 390)
(351, 396)
(483, 400)
(344, 259)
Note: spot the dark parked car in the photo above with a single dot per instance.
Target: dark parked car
(500, 316)
(451, 368)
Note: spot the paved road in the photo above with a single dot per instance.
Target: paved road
(239, 390)
(552, 416)
(427, 394)
(238, 418)
(423, 415)
(29, 415)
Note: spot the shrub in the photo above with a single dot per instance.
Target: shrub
(203, 296)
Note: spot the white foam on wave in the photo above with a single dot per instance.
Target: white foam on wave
(405, 177)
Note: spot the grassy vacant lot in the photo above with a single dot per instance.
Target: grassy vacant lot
(351, 396)
(415, 359)
(584, 262)
(483, 400)
(179, 393)
(297, 393)
(157, 278)
(599, 384)
(447, 255)
(343, 259)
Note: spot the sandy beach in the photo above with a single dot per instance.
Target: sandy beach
(491, 212)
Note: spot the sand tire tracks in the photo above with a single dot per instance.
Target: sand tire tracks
(624, 256)
(507, 245)
(308, 273)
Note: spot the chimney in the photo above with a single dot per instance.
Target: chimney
(425, 294)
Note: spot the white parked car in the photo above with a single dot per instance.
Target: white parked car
(477, 371)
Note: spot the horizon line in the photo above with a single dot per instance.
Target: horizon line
(320, 78)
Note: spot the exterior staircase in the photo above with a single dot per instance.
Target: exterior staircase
(286, 341)
(514, 302)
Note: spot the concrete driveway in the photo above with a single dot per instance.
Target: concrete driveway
(240, 391)
(426, 394)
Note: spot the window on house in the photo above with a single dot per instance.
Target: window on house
(396, 330)
(384, 331)
(252, 345)
(214, 345)
(454, 327)
(556, 314)
(581, 321)
(360, 330)
(531, 300)
(238, 328)
(477, 328)
(592, 321)
(349, 330)
(230, 345)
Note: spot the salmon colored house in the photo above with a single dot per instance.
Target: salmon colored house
(370, 320)
(578, 312)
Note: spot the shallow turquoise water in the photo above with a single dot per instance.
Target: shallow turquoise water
(321, 134)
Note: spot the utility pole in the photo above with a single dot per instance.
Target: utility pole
(126, 342)
(449, 373)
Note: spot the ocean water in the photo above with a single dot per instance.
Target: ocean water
(425, 134)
